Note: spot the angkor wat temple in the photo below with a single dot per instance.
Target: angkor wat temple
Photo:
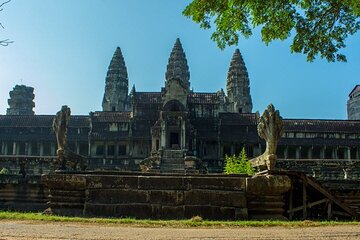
(208, 125)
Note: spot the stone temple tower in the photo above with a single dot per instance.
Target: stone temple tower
(21, 101)
(116, 88)
(353, 104)
(238, 85)
(177, 67)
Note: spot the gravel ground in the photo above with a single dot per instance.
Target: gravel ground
(26, 230)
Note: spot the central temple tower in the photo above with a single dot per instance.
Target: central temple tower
(117, 84)
(238, 85)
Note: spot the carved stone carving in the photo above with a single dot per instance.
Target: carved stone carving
(66, 158)
(60, 126)
(270, 128)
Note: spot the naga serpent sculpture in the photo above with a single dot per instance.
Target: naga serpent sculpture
(60, 126)
(270, 128)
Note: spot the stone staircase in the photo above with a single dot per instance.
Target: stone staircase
(172, 161)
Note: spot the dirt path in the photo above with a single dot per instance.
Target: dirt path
(26, 230)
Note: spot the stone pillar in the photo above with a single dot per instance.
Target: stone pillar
(77, 147)
(195, 145)
(2, 148)
(5, 150)
(182, 134)
(286, 154)
(219, 149)
(14, 148)
(297, 154)
(41, 150)
(322, 153)
(310, 152)
(105, 149)
(52, 149)
(27, 149)
(89, 150)
(335, 153)
(233, 149)
(163, 135)
(348, 153)
(130, 148)
(116, 150)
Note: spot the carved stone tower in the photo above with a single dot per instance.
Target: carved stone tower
(353, 104)
(21, 101)
(177, 67)
(238, 85)
(171, 129)
(116, 88)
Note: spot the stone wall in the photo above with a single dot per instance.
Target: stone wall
(165, 196)
(22, 194)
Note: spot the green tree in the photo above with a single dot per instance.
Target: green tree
(318, 27)
(237, 165)
(4, 42)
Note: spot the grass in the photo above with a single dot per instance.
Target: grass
(168, 223)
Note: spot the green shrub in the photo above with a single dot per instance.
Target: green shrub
(237, 165)
(4, 171)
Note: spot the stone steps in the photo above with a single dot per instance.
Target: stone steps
(173, 166)
(173, 154)
(173, 161)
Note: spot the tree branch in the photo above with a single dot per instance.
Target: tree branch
(2, 4)
(4, 42)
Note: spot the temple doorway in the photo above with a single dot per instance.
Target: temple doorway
(174, 140)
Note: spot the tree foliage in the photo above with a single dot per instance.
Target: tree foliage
(318, 27)
(237, 165)
(4, 42)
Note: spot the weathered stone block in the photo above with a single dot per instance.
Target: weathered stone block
(162, 183)
(268, 184)
(205, 212)
(215, 198)
(119, 210)
(222, 213)
(241, 214)
(171, 212)
(218, 183)
(166, 197)
(116, 196)
(103, 181)
(64, 181)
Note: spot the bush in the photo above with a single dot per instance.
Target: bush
(237, 165)
(4, 171)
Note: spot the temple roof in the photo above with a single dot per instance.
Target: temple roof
(111, 116)
(203, 98)
(355, 89)
(316, 125)
(238, 118)
(147, 97)
(40, 121)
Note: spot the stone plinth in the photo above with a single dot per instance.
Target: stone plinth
(265, 196)
(165, 196)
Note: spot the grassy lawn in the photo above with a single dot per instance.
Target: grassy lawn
(194, 222)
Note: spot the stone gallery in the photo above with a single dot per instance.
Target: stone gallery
(180, 136)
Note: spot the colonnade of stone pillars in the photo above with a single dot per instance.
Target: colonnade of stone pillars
(324, 154)
(30, 148)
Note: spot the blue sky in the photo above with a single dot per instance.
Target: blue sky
(63, 48)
